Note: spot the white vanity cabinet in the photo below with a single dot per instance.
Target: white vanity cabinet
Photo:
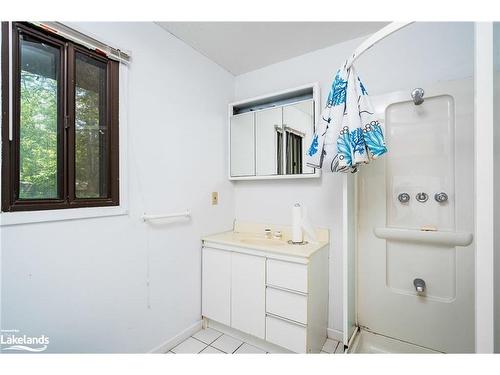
(278, 298)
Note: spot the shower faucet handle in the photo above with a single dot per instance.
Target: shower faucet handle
(441, 197)
(422, 197)
(419, 285)
(404, 198)
(418, 95)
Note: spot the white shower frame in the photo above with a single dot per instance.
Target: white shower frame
(484, 186)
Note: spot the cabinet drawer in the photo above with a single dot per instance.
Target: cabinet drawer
(286, 304)
(286, 334)
(287, 275)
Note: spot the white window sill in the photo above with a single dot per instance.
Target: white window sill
(43, 216)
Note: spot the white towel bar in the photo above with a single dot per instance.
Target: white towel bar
(186, 213)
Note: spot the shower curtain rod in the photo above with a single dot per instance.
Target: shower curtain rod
(374, 39)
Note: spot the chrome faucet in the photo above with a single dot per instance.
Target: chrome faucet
(418, 96)
(419, 285)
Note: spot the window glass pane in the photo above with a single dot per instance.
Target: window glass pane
(39, 95)
(91, 129)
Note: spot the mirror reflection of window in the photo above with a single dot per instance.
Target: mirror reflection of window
(293, 152)
(298, 122)
(279, 150)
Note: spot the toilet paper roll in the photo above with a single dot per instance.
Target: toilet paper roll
(297, 223)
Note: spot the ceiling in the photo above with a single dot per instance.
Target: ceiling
(240, 47)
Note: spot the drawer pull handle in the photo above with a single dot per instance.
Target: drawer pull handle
(286, 290)
(286, 320)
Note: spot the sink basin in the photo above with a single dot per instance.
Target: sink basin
(263, 242)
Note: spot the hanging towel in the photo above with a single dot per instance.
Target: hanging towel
(349, 134)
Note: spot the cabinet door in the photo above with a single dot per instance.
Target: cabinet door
(243, 145)
(216, 285)
(248, 295)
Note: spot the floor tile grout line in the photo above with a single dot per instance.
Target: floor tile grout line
(209, 346)
(219, 349)
(224, 334)
(221, 334)
(213, 347)
(185, 341)
(243, 342)
(336, 346)
(203, 342)
(206, 345)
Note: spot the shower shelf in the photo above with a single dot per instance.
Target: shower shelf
(430, 237)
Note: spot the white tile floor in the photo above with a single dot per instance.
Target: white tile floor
(210, 341)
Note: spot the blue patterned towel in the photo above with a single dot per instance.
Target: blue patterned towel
(348, 134)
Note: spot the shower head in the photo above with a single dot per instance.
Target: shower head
(418, 96)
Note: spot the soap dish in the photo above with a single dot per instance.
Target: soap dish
(297, 243)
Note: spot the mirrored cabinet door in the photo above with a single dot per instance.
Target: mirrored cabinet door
(242, 134)
(298, 129)
(270, 135)
(268, 142)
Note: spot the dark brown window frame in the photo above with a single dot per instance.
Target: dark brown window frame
(66, 125)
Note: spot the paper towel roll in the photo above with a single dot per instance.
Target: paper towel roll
(297, 223)
(309, 234)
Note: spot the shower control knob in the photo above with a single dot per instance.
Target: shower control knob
(422, 197)
(419, 285)
(404, 198)
(441, 197)
(418, 95)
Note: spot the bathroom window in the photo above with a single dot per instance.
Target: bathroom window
(60, 147)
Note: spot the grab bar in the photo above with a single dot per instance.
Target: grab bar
(437, 238)
(186, 213)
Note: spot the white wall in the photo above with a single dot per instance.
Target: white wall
(496, 175)
(83, 282)
(421, 54)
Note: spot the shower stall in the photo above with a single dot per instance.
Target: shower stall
(410, 247)
(415, 254)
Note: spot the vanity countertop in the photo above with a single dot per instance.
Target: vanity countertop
(251, 236)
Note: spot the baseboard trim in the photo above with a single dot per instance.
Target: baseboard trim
(176, 340)
(335, 334)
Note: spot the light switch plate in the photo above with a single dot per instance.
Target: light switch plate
(215, 198)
